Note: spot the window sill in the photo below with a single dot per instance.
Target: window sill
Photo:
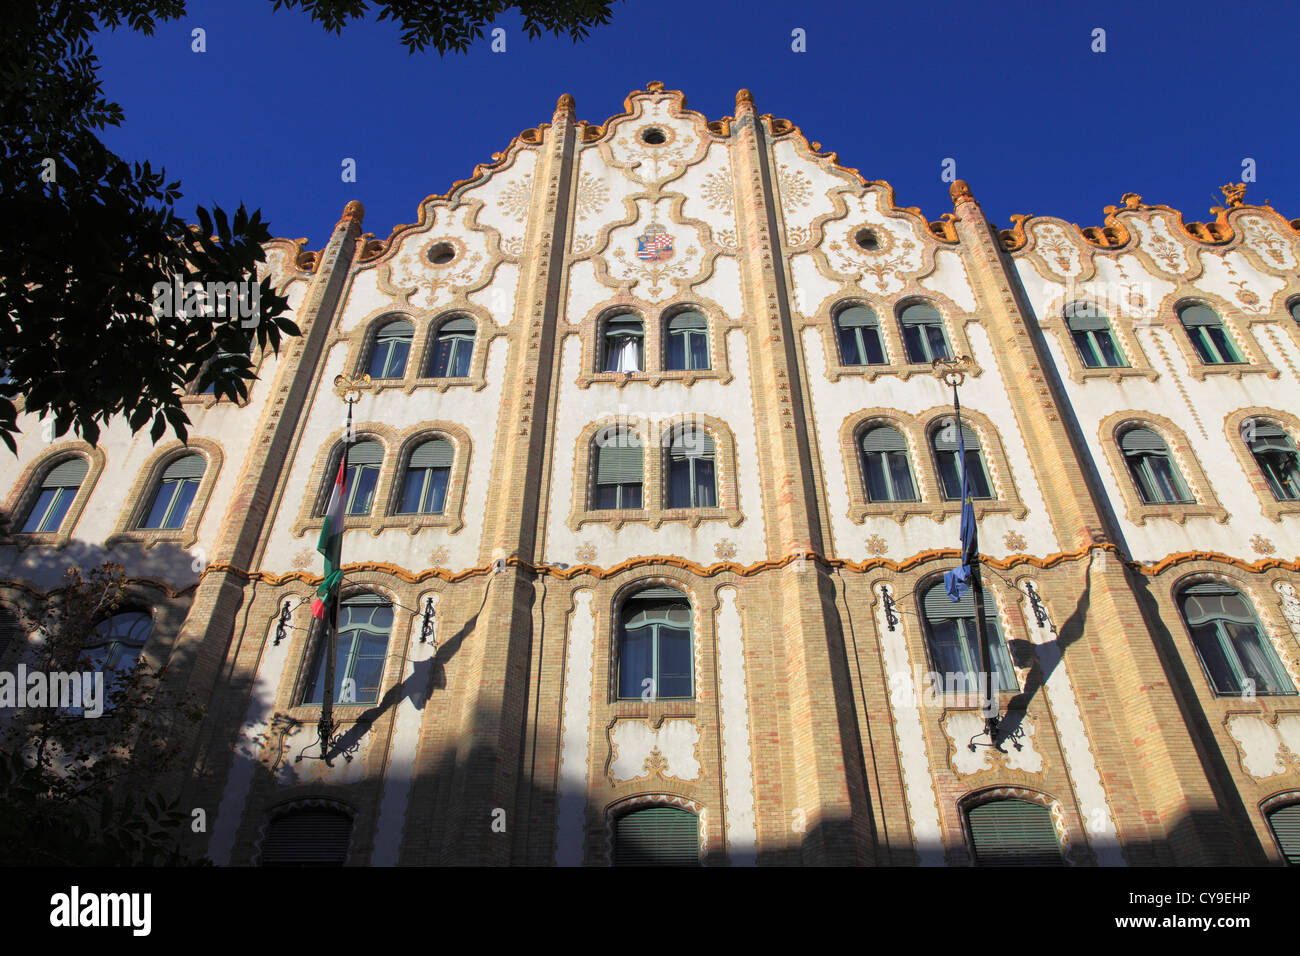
(1233, 370)
(653, 378)
(377, 525)
(1140, 514)
(902, 370)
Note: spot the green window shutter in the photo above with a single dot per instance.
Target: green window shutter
(942, 441)
(1013, 833)
(191, 466)
(687, 320)
(939, 607)
(691, 443)
(1198, 314)
(921, 313)
(624, 324)
(460, 324)
(1084, 317)
(400, 331)
(365, 453)
(1269, 437)
(1142, 441)
(314, 837)
(658, 593)
(1286, 828)
(437, 453)
(657, 836)
(618, 465)
(882, 439)
(68, 474)
(858, 316)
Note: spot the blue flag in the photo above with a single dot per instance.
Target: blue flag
(956, 581)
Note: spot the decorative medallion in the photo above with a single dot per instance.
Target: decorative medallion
(1262, 545)
(725, 549)
(1014, 542)
(586, 552)
(438, 556)
(655, 244)
(302, 560)
(877, 545)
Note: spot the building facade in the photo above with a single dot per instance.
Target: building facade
(653, 487)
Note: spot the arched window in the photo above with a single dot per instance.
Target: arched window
(1207, 334)
(1013, 832)
(452, 347)
(655, 659)
(692, 482)
(58, 488)
(174, 495)
(1093, 336)
(307, 836)
(923, 333)
(943, 439)
(884, 465)
(424, 490)
(1295, 310)
(220, 359)
(688, 342)
(954, 640)
(117, 641)
(1285, 824)
(657, 836)
(113, 648)
(858, 331)
(1233, 649)
(1154, 473)
(622, 344)
(392, 344)
(619, 460)
(1276, 455)
(364, 459)
(362, 644)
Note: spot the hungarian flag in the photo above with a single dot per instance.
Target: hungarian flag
(331, 540)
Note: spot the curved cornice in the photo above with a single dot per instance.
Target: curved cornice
(730, 567)
(1113, 234)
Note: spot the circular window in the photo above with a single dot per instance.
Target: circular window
(866, 239)
(654, 137)
(441, 253)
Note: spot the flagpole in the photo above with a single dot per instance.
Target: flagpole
(953, 373)
(350, 391)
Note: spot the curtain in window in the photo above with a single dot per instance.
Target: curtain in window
(623, 334)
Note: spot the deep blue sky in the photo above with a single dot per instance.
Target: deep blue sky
(1037, 122)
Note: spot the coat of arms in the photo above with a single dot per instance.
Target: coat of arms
(654, 245)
